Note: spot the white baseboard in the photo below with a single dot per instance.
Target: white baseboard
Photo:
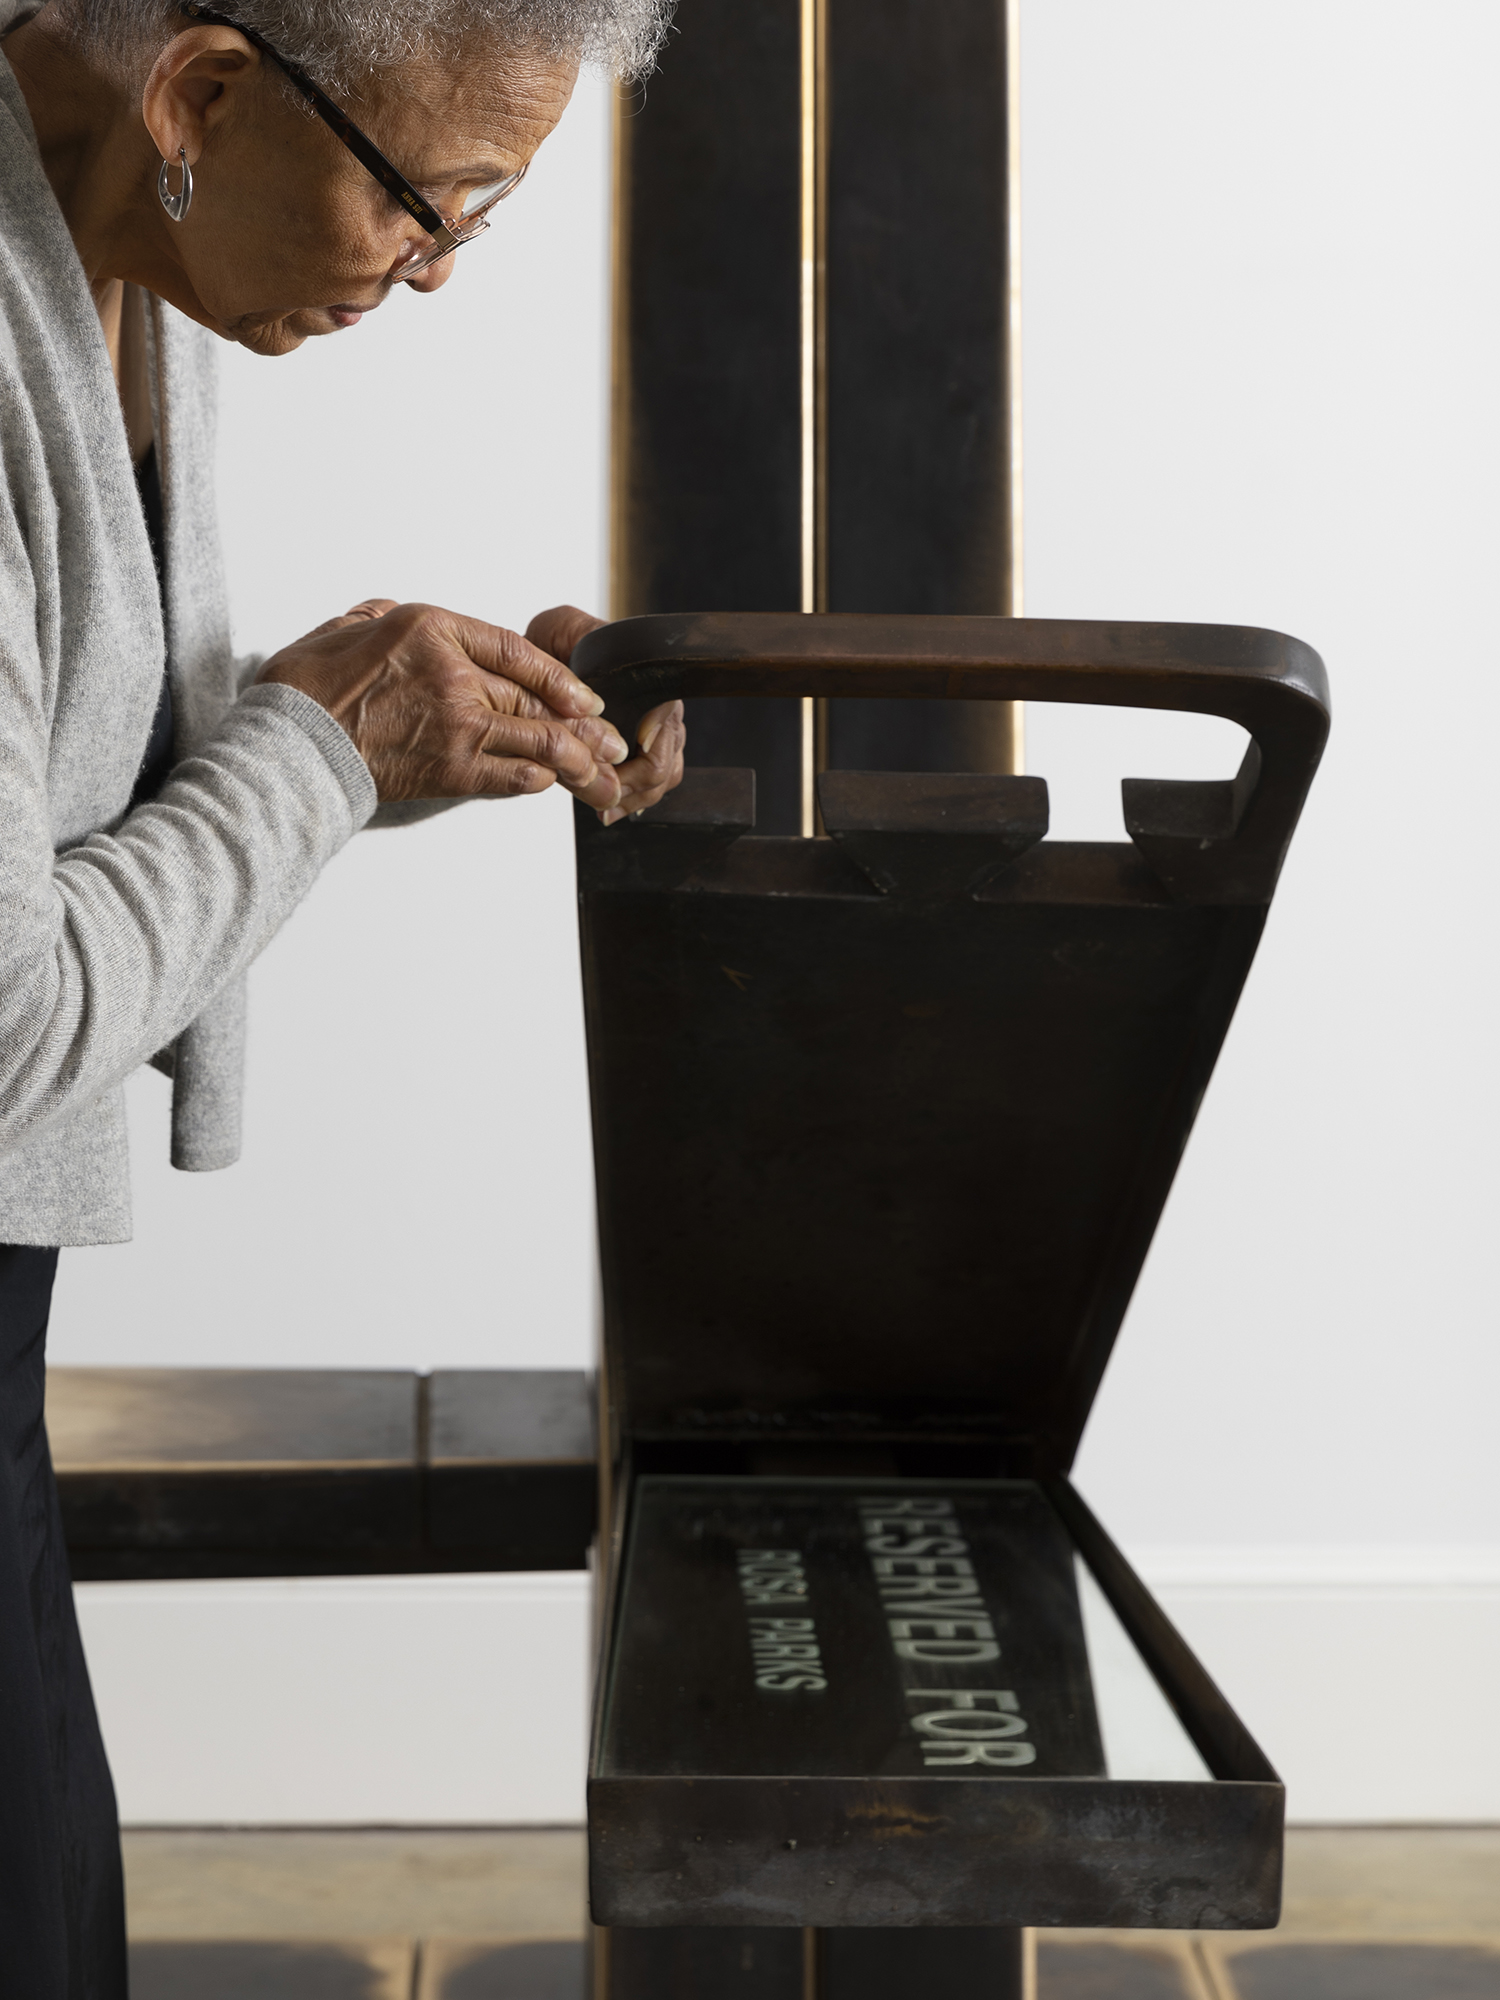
(437, 1700)
(1368, 1675)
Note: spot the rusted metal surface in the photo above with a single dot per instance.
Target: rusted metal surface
(923, 1852)
(791, 1766)
(872, 1112)
(883, 1122)
(200, 1472)
(910, 1100)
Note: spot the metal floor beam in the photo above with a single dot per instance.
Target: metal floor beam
(205, 1472)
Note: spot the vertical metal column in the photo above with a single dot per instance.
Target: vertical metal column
(816, 362)
(707, 461)
(706, 512)
(922, 368)
(702, 1964)
(736, 1964)
(920, 1965)
(815, 408)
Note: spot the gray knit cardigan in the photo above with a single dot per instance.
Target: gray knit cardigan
(124, 939)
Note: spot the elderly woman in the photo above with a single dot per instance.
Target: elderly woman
(170, 175)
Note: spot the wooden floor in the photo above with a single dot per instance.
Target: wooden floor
(220, 1914)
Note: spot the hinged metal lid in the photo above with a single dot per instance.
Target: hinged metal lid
(884, 1122)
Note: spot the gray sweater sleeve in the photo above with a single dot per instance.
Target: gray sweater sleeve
(125, 935)
(110, 948)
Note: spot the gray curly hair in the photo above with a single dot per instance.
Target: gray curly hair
(340, 43)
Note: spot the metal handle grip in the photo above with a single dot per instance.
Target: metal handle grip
(1218, 842)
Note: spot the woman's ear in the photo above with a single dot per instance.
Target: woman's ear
(193, 85)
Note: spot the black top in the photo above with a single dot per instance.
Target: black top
(157, 761)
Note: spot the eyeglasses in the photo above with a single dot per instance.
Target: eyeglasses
(446, 236)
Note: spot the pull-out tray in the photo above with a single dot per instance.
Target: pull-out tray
(838, 1702)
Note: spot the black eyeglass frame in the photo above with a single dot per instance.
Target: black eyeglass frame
(359, 143)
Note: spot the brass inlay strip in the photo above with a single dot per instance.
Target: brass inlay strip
(199, 1467)
(814, 373)
(810, 1965)
(617, 554)
(1028, 1941)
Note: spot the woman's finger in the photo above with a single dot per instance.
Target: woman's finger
(662, 734)
(499, 777)
(513, 658)
(604, 741)
(559, 630)
(549, 743)
(648, 778)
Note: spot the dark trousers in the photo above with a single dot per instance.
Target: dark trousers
(62, 1900)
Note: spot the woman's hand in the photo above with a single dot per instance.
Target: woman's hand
(444, 707)
(662, 732)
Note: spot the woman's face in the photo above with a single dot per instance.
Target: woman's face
(288, 235)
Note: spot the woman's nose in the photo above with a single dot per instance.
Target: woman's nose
(435, 276)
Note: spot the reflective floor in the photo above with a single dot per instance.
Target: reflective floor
(1371, 1914)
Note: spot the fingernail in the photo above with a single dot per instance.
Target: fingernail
(648, 737)
(615, 747)
(596, 703)
(614, 813)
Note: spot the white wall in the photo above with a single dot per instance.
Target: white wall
(1259, 298)
(1260, 388)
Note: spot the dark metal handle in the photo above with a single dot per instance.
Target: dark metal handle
(1217, 842)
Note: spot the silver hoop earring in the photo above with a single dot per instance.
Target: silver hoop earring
(176, 205)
